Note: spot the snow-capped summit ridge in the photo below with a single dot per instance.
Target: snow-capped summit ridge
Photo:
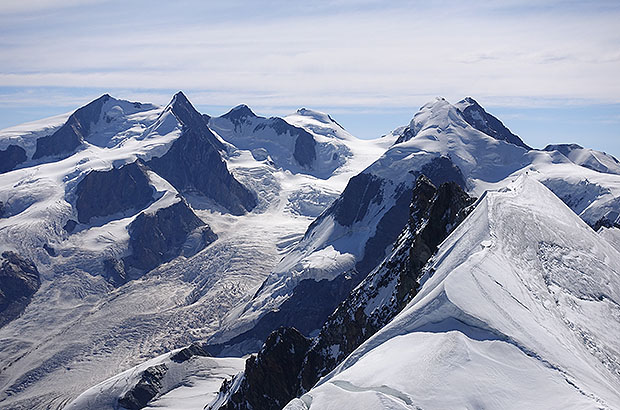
(239, 112)
(318, 115)
(523, 290)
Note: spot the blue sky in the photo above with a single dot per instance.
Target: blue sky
(548, 69)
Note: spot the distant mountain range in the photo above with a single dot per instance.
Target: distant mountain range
(147, 250)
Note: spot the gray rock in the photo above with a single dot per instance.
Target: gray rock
(11, 157)
(481, 120)
(70, 226)
(146, 389)
(194, 164)
(159, 237)
(103, 193)
(188, 352)
(19, 281)
(269, 378)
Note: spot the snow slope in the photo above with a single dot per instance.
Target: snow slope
(519, 309)
(354, 234)
(586, 157)
(199, 376)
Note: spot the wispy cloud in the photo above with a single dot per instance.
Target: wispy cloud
(339, 53)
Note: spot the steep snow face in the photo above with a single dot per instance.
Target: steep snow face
(478, 118)
(589, 158)
(519, 309)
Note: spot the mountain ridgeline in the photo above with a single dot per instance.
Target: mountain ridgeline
(152, 255)
(194, 162)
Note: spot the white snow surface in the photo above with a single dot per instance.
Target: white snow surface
(521, 309)
(79, 330)
(589, 158)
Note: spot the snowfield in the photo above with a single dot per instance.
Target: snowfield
(519, 309)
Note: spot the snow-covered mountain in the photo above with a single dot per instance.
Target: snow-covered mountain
(520, 309)
(354, 234)
(153, 228)
(145, 235)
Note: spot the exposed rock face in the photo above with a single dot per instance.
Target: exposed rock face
(146, 389)
(19, 280)
(103, 193)
(114, 271)
(11, 157)
(305, 144)
(70, 225)
(364, 189)
(305, 310)
(481, 120)
(159, 237)
(71, 135)
(433, 214)
(194, 163)
(352, 205)
(269, 378)
(188, 352)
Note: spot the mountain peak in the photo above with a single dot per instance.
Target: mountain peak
(477, 117)
(317, 115)
(239, 112)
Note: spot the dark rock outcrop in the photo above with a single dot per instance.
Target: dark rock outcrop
(114, 271)
(433, 214)
(19, 280)
(103, 193)
(352, 205)
(481, 120)
(11, 157)
(146, 389)
(269, 377)
(306, 310)
(305, 144)
(194, 163)
(159, 237)
(188, 352)
(72, 134)
(70, 225)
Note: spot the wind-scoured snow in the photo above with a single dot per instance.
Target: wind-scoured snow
(519, 309)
